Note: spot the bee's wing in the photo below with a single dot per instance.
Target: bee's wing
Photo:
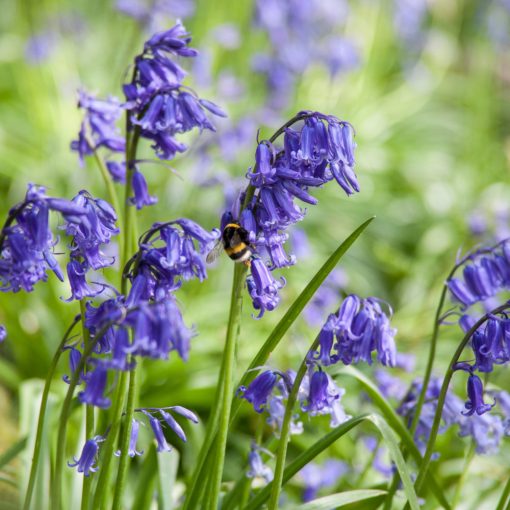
(213, 254)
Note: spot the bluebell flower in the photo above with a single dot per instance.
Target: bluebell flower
(475, 401)
(170, 255)
(141, 196)
(275, 408)
(133, 438)
(3, 333)
(87, 462)
(94, 393)
(79, 287)
(259, 390)
(162, 445)
(323, 397)
(74, 361)
(282, 176)
(98, 128)
(257, 468)
(486, 430)
(263, 288)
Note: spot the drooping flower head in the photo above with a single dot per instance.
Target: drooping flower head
(99, 126)
(26, 240)
(158, 103)
(359, 328)
(86, 464)
(316, 149)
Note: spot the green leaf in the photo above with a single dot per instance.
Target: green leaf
(391, 443)
(145, 481)
(168, 462)
(341, 499)
(323, 443)
(396, 423)
(13, 452)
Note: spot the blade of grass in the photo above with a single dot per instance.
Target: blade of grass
(341, 499)
(396, 423)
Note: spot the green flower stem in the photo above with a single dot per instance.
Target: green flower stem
(442, 396)
(200, 474)
(234, 324)
(101, 493)
(89, 415)
(124, 442)
(129, 244)
(56, 493)
(502, 504)
(462, 480)
(129, 230)
(281, 454)
(42, 412)
(112, 194)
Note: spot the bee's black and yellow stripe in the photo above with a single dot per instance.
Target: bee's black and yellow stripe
(235, 242)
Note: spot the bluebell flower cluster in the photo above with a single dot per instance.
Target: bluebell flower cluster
(27, 242)
(301, 34)
(487, 430)
(147, 322)
(359, 328)
(157, 102)
(99, 128)
(166, 420)
(89, 233)
(484, 278)
(321, 149)
(318, 395)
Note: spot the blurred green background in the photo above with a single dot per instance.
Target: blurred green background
(431, 114)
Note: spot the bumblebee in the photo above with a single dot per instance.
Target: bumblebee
(235, 242)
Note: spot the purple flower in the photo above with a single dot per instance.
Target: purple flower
(169, 255)
(95, 388)
(257, 468)
(263, 288)
(87, 460)
(260, 389)
(163, 446)
(74, 361)
(360, 327)
(26, 251)
(79, 287)
(484, 278)
(3, 333)
(133, 438)
(141, 192)
(475, 401)
(323, 397)
(91, 231)
(157, 102)
(98, 128)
